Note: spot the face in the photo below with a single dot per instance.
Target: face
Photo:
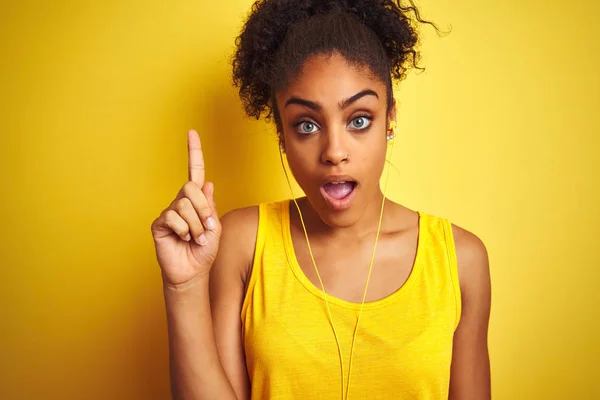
(334, 120)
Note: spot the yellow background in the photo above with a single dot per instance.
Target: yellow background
(500, 134)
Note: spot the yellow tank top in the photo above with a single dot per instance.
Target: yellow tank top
(403, 349)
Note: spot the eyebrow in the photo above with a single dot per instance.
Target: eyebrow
(343, 104)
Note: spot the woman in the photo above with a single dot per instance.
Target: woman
(344, 293)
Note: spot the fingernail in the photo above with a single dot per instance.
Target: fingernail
(210, 223)
(188, 237)
(202, 240)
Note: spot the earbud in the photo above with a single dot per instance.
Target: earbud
(392, 131)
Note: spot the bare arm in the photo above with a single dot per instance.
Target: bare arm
(227, 288)
(470, 372)
(187, 241)
(205, 332)
(196, 372)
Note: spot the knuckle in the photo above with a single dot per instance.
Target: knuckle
(171, 216)
(182, 204)
(197, 166)
(189, 188)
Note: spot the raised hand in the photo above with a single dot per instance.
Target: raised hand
(186, 234)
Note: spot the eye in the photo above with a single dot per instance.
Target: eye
(306, 127)
(361, 123)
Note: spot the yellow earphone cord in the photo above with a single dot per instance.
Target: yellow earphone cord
(344, 394)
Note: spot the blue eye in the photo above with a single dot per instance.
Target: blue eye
(307, 127)
(360, 123)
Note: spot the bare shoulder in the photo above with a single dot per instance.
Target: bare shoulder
(238, 239)
(241, 221)
(472, 257)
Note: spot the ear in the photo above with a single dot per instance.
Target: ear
(281, 145)
(280, 136)
(279, 133)
(391, 116)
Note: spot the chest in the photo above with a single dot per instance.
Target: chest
(343, 266)
(396, 351)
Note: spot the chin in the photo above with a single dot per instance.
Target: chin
(335, 216)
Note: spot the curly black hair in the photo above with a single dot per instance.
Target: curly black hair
(280, 35)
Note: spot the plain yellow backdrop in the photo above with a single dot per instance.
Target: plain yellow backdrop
(499, 134)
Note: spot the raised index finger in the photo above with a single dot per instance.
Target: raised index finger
(195, 159)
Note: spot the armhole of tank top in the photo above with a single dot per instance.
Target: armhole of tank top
(453, 266)
(257, 259)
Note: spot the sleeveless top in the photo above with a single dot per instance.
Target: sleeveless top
(403, 348)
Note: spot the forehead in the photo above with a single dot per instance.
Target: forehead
(332, 77)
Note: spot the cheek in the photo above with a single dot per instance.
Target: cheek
(300, 167)
(374, 154)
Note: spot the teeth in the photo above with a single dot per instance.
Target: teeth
(337, 183)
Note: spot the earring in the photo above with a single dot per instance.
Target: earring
(392, 131)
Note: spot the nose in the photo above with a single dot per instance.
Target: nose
(335, 150)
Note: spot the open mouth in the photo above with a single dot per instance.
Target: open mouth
(339, 190)
(339, 194)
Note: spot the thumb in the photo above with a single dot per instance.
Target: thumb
(209, 192)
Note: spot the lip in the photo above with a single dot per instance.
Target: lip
(337, 178)
(339, 204)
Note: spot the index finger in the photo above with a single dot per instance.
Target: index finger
(195, 159)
